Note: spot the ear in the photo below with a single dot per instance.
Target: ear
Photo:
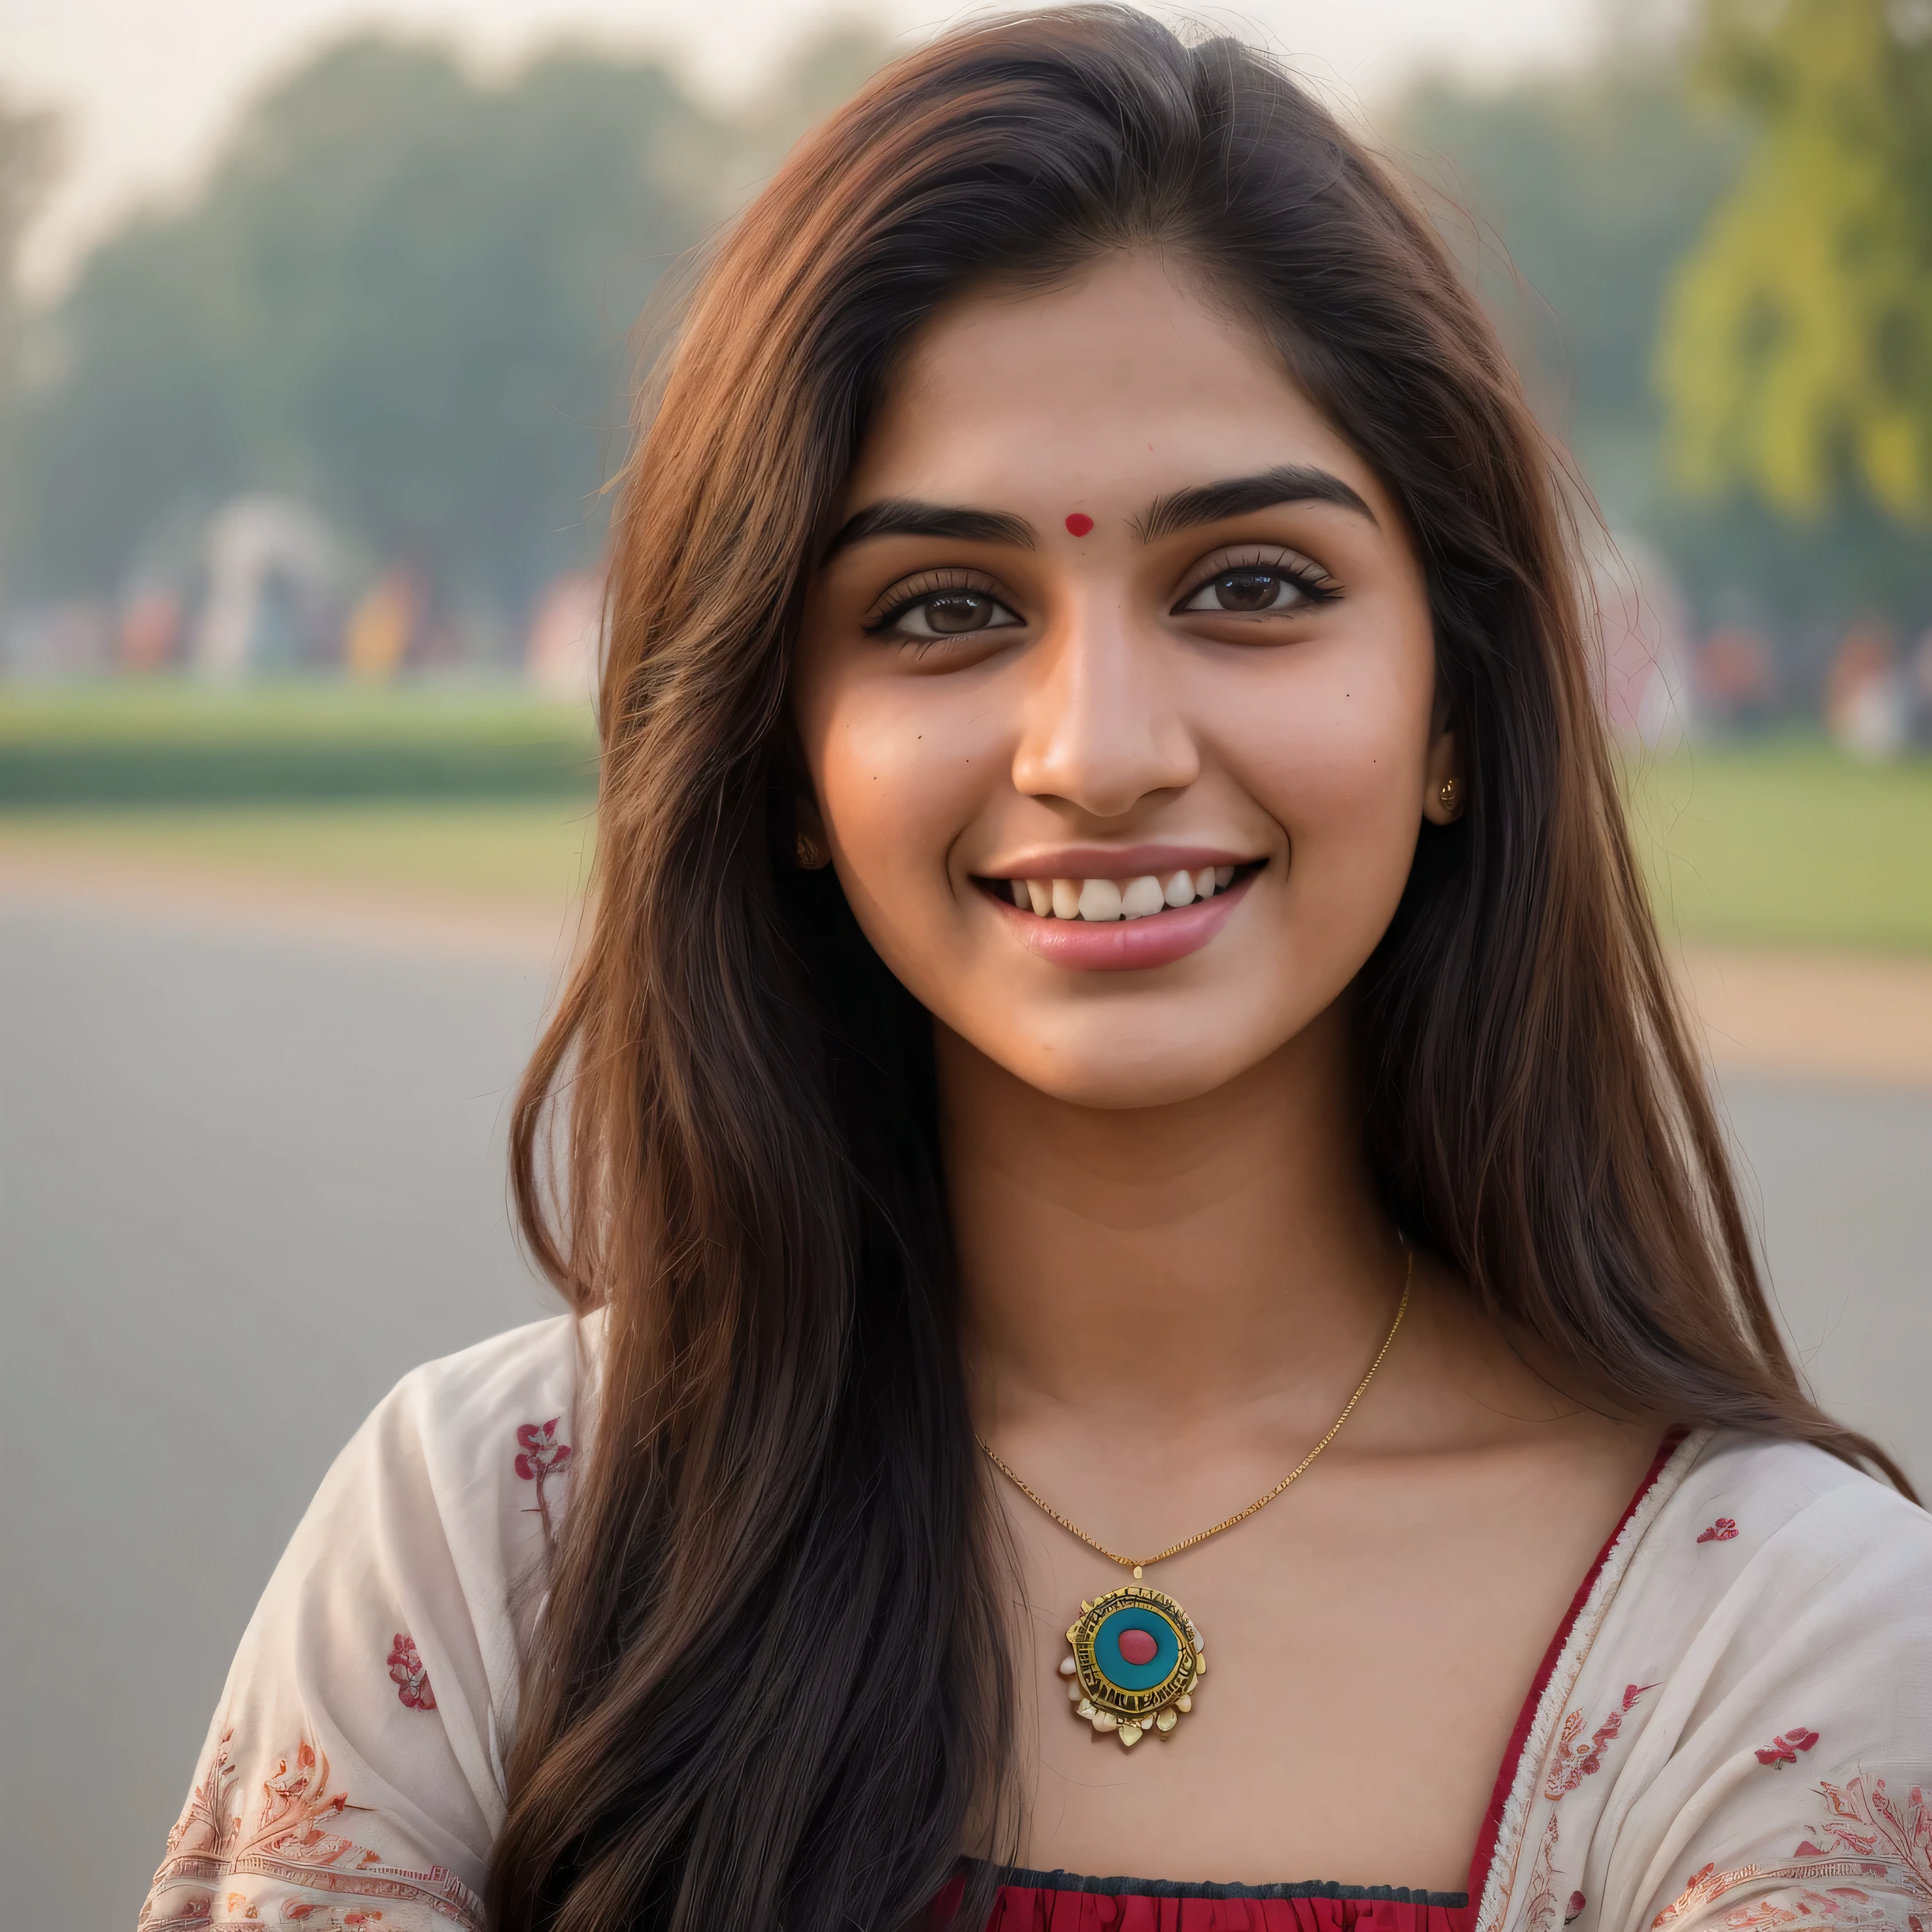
(1444, 792)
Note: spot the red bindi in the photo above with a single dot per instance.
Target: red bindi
(1080, 522)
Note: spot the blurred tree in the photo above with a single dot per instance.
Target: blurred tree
(1593, 184)
(402, 293)
(1573, 200)
(29, 150)
(1796, 358)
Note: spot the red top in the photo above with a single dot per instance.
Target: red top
(1033, 1901)
(1058, 1902)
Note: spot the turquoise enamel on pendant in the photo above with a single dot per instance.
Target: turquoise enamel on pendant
(1137, 1657)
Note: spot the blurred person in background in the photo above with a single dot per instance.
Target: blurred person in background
(1121, 1104)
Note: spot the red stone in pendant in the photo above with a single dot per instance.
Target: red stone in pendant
(1138, 1646)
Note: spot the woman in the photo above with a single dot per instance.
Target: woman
(1114, 937)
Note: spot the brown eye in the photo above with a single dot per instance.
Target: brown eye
(1247, 592)
(952, 614)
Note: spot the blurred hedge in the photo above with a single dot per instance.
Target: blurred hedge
(175, 744)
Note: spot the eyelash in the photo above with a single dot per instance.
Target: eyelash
(922, 589)
(1308, 577)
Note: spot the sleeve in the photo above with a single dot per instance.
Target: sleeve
(1792, 1794)
(352, 1776)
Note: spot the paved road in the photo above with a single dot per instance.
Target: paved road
(245, 1183)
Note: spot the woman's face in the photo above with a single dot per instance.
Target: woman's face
(1119, 626)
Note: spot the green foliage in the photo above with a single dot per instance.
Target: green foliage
(403, 293)
(1796, 358)
(1571, 200)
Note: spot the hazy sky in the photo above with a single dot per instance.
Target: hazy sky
(147, 87)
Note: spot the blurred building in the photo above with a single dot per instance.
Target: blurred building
(273, 597)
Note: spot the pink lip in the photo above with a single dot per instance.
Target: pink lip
(1114, 861)
(1126, 945)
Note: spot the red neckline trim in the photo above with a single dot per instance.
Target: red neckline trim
(1506, 1773)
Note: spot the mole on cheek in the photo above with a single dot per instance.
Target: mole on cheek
(1080, 522)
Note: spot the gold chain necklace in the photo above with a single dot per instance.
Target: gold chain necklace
(1137, 1655)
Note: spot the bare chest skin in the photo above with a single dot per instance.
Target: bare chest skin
(1370, 1637)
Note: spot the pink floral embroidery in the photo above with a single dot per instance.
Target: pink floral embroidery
(540, 1456)
(1572, 1762)
(1903, 1837)
(1722, 1531)
(1784, 1749)
(294, 1841)
(1575, 1762)
(1868, 1836)
(410, 1675)
(540, 1451)
(1539, 1905)
(245, 1910)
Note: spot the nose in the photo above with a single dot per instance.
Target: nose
(1100, 728)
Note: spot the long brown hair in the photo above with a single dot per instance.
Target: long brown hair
(771, 1686)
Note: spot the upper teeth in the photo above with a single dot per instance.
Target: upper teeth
(1118, 898)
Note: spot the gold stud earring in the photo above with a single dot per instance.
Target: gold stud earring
(812, 856)
(1449, 797)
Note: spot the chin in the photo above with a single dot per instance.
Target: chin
(1094, 1073)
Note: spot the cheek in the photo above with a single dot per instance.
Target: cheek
(898, 775)
(1335, 749)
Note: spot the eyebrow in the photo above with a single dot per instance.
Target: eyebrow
(1237, 496)
(1206, 503)
(906, 516)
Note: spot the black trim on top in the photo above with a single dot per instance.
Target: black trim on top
(1155, 1887)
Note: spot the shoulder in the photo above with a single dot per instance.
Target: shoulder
(377, 1685)
(482, 1408)
(473, 1450)
(1768, 1561)
(439, 1515)
(1752, 1677)
(1784, 1521)
(471, 1456)
(456, 1398)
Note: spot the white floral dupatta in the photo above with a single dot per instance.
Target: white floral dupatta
(1735, 1730)
(1732, 1730)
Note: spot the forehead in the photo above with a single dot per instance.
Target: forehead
(1126, 381)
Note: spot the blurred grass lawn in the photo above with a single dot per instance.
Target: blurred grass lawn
(164, 709)
(173, 741)
(1783, 841)
(1787, 842)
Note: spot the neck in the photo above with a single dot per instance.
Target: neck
(1179, 1260)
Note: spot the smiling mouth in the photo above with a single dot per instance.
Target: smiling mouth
(1099, 901)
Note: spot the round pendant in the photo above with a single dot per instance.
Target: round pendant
(1137, 1657)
